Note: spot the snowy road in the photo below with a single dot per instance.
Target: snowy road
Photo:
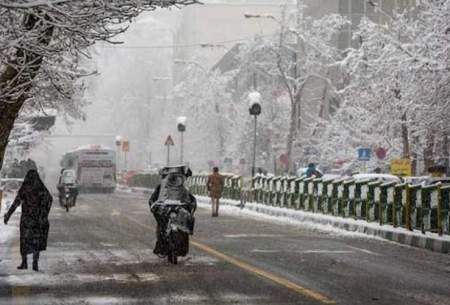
(100, 253)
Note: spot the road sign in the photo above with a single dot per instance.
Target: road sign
(401, 167)
(363, 154)
(125, 146)
(169, 141)
(380, 153)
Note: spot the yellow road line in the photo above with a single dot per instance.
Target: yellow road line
(249, 268)
(273, 277)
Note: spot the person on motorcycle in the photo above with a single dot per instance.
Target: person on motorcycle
(171, 188)
(67, 179)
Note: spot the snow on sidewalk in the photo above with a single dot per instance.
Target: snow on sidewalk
(7, 232)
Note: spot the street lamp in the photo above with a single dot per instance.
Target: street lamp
(181, 126)
(255, 110)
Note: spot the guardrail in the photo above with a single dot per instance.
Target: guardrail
(425, 208)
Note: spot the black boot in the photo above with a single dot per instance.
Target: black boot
(35, 261)
(24, 264)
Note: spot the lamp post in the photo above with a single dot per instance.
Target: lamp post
(118, 144)
(181, 126)
(255, 110)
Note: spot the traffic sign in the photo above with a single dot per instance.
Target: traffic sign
(169, 141)
(401, 167)
(363, 154)
(380, 153)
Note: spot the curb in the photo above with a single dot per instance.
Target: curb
(414, 239)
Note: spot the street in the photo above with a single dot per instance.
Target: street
(101, 253)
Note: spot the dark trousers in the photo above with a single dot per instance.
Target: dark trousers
(215, 206)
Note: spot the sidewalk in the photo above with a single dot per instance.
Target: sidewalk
(328, 223)
(7, 233)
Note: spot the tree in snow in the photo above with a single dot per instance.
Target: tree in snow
(44, 42)
(206, 99)
(303, 53)
(398, 95)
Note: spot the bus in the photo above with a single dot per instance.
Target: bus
(94, 167)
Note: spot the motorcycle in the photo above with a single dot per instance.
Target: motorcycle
(180, 224)
(68, 199)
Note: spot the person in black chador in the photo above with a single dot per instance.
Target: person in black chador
(171, 188)
(36, 202)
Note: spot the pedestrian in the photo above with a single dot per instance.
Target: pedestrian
(215, 188)
(312, 171)
(36, 202)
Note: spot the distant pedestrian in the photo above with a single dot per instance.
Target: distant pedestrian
(36, 202)
(215, 189)
(312, 171)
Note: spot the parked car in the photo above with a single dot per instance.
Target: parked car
(436, 180)
(418, 180)
(379, 177)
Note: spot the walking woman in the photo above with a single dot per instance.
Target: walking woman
(36, 202)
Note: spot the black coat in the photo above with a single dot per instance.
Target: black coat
(36, 202)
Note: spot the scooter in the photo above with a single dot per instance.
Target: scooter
(180, 224)
(68, 200)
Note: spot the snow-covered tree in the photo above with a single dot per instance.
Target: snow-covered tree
(302, 55)
(44, 42)
(398, 95)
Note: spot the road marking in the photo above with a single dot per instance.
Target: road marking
(265, 251)
(365, 251)
(247, 267)
(273, 277)
(115, 212)
(327, 251)
(251, 235)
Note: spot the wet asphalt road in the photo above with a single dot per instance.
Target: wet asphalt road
(101, 253)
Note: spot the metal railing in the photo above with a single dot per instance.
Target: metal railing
(424, 208)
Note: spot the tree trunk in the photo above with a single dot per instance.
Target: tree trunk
(8, 114)
(405, 138)
(428, 151)
(11, 79)
(294, 127)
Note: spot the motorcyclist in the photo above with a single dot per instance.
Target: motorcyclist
(170, 188)
(67, 179)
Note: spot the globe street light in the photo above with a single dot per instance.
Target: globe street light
(181, 126)
(255, 110)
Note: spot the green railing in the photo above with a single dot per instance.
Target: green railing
(424, 208)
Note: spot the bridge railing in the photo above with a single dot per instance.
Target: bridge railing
(424, 208)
